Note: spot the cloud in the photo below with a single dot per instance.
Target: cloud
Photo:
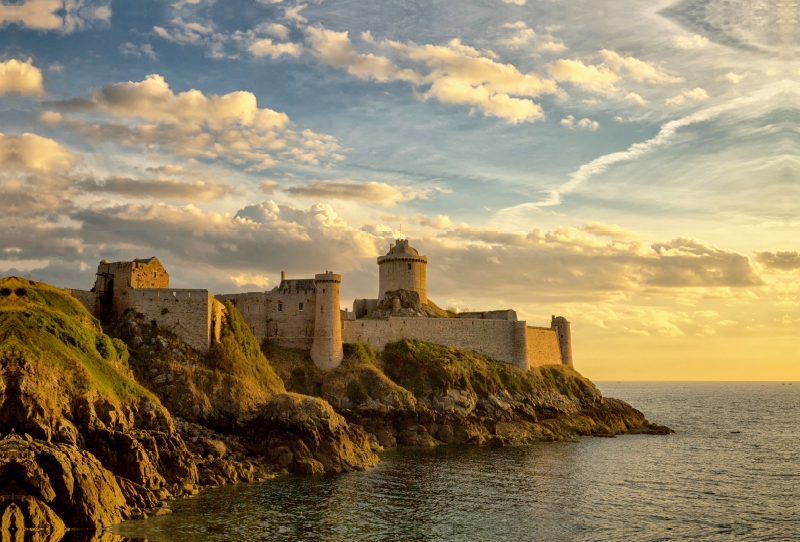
(603, 78)
(21, 77)
(598, 79)
(687, 43)
(268, 187)
(373, 192)
(129, 49)
(523, 36)
(734, 78)
(665, 135)
(583, 124)
(34, 153)
(160, 189)
(516, 2)
(184, 32)
(265, 47)
(456, 73)
(687, 95)
(336, 49)
(229, 127)
(230, 245)
(638, 70)
(633, 97)
(65, 16)
(34, 178)
(782, 260)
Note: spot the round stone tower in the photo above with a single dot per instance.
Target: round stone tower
(561, 327)
(402, 269)
(326, 350)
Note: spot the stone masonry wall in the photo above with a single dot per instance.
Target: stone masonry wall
(88, 299)
(186, 312)
(290, 327)
(542, 347)
(494, 338)
(253, 307)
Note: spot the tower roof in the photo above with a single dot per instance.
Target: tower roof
(399, 250)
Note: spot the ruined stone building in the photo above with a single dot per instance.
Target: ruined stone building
(143, 287)
(306, 314)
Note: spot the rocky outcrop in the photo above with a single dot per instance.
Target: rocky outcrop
(305, 435)
(406, 303)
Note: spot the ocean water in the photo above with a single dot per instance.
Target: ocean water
(732, 472)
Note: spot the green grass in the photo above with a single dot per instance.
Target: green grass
(238, 353)
(53, 331)
(423, 368)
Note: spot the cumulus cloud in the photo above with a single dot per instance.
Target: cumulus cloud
(783, 260)
(230, 127)
(20, 77)
(34, 153)
(522, 36)
(687, 43)
(34, 178)
(454, 73)
(65, 16)
(605, 77)
(160, 189)
(687, 95)
(373, 192)
(238, 244)
(583, 124)
(599, 79)
(633, 97)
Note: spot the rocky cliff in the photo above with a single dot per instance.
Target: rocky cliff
(84, 445)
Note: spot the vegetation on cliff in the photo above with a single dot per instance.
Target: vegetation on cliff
(222, 387)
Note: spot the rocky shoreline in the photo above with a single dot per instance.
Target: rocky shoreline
(103, 424)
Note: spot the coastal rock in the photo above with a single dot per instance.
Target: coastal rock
(309, 429)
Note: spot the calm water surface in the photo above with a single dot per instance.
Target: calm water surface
(731, 472)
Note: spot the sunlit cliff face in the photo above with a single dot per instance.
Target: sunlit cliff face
(631, 165)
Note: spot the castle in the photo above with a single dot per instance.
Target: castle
(306, 313)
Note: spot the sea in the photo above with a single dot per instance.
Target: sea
(731, 471)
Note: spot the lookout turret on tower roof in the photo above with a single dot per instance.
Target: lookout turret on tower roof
(402, 268)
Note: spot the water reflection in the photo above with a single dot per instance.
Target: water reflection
(708, 482)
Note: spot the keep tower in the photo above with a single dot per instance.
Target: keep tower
(326, 350)
(402, 268)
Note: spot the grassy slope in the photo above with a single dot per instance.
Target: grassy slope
(50, 328)
(415, 368)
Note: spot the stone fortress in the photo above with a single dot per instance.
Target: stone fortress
(306, 314)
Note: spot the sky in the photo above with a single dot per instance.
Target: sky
(630, 165)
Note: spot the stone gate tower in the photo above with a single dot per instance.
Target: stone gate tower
(561, 327)
(402, 268)
(326, 350)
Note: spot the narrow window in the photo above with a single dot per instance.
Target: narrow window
(285, 291)
(154, 274)
(321, 308)
(300, 306)
(280, 307)
(323, 290)
(409, 267)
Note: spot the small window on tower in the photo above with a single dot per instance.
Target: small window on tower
(409, 267)
(280, 307)
(154, 274)
(300, 306)
(323, 290)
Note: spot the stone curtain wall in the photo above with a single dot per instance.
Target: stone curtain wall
(494, 338)
(88, 299)
(291, 327)
(186, 312)
(253, 307)
(542, 347)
